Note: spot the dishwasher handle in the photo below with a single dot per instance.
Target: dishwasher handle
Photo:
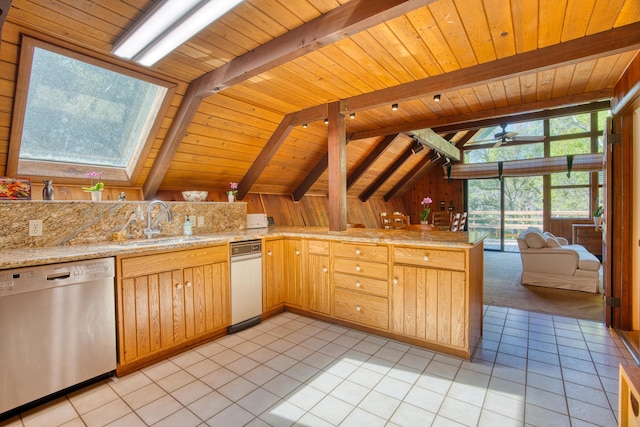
(59, 276)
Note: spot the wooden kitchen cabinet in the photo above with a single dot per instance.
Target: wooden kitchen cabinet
(361, 283)
(168, 301)
(316, 276)
(293, 272)
(437, 296)
(273, 290)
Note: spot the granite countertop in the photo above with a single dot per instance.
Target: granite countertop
(15, 258)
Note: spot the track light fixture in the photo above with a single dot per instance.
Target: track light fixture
(326, 121)
(436, 98)
(447, 161)
(435, 156)
(417, 147)
(394, 107)
(352, 115)
(304, 126)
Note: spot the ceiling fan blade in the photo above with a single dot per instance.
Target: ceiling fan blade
(528, 138)
(510, 134)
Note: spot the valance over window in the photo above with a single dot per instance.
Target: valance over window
(528, 167)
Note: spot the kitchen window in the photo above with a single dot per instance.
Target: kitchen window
(78, 111)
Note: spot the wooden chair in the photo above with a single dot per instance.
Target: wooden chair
(394, 221)
(442, 220)
(455, 222)
(463, 221)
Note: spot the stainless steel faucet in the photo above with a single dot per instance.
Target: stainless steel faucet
(150, 232)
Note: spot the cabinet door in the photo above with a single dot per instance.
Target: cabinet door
(292, 272)
(149, 322)
(429, 304)
(206, 298)
(318, 286)
(273, 283)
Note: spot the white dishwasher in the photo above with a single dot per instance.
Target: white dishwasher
(246, 284)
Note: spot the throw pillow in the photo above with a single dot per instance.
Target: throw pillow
(535, 240)
(553, 242)
(548, 234)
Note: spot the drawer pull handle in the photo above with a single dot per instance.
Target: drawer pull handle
(395, 281)
(358, 252)
(269, 253)
(358, 308)
(178, 285)
(357, 284)
(358, 268)
(324, 269)
(426, 258)
(297, 252)
(189, 284)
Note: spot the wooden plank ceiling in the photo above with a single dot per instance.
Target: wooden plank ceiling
(486, 58)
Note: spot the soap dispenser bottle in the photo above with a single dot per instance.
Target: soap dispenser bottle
(187, 228)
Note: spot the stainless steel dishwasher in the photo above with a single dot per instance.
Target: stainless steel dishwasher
(58, 329)
(246, 284)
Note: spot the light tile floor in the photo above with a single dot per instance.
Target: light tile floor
(530, 369)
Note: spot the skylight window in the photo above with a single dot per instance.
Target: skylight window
(78, 111)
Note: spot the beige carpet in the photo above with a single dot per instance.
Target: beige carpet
(502, 288)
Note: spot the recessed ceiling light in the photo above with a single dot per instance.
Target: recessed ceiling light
(394, 107)
(436, 98)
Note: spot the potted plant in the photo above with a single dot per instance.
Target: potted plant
(426, 209)
(231, 194)
(95, 189)
(597, 215)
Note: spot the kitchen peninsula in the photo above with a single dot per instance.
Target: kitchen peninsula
(421, 287)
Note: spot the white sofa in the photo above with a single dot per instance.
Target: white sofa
(550, 261)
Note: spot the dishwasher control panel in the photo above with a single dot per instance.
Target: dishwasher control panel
(28, 279)
(246, 247)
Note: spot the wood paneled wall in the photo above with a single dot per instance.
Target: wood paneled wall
(435, 185)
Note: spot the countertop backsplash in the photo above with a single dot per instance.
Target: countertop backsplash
(78, 222)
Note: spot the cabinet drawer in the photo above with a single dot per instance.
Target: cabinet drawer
(361, 251)
(361, 284)
(360, 308)
(153, 263)
(318, 247)
(452, 260)
(361, 268)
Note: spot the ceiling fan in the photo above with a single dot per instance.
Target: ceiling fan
(503, 136)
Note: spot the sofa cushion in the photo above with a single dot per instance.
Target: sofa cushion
(586, 260)
(553, 242)
(535, 240)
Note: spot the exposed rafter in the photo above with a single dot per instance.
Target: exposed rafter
(341, 22)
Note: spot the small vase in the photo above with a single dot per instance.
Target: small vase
(231, 197)
(47, 192)
(96, 196)
(424, 222)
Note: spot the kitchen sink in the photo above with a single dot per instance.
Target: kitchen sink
(162, 241)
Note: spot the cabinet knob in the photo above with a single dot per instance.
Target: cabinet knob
(395, 280)
(358, 308)
(297, 252)
(358, 268)
(358, 252)
(324, 269)
(269, 253)
(189, 284)
(357, 284)
(426, 258)
(178, 285)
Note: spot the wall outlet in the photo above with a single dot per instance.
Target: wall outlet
(200, 221)
(35, 227)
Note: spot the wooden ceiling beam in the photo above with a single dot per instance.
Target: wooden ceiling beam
(382, 178)
(266, 154)
(606, 43)
(515, 113)
(365, 164)
(420, 169)
(337, 24)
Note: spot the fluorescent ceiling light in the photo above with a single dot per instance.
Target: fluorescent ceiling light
(167, 26)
